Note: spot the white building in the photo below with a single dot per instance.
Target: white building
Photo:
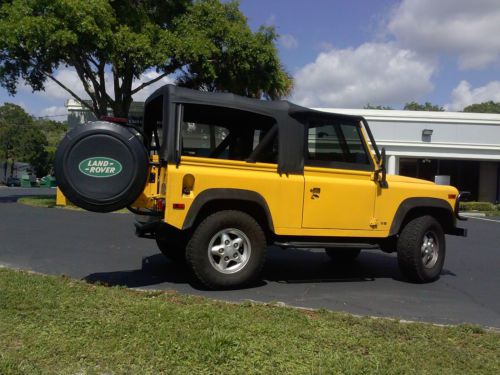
(463, 148)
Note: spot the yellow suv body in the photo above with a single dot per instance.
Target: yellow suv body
(230, 175)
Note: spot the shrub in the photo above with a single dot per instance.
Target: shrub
(477, 206)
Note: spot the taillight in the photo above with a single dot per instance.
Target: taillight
(160, 204)
(116, 120)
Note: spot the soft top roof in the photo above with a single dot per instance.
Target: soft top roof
(289, 117)
(275, 108)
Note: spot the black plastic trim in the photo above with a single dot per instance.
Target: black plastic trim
(210, 195)
(372, 139)
(461, 195)
(408, 204)
(313, 245)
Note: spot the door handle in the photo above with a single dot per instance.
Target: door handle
(315, 192)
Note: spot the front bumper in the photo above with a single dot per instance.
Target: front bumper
(459, 232)
(461, 196)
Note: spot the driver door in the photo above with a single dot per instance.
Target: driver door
(339, 192)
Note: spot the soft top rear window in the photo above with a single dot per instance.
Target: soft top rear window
(227, 133)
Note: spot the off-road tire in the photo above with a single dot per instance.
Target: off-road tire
(411, 246)
(197, 250)
(172, 243)
(342, 255)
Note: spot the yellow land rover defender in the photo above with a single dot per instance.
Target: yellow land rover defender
(216, 178)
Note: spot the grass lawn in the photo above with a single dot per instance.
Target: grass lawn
(55, 325)
(38, 201)
(50, 202)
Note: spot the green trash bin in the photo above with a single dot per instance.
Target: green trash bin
(25, 180)
(48, 182)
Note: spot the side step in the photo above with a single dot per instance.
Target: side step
(313, 245)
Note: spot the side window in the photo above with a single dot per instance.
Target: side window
(336, 145)
(226, 133)
(201, 139)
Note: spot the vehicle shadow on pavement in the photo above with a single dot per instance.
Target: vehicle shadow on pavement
(155, 269)
(282, 266)
(314, 266)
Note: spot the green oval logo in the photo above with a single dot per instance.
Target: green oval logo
(100, 167)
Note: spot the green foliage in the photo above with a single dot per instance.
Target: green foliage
(22, 140)
(210, 41)
(53, 130)
(229, 56)
(477, 206)
(427, 106)
(485, 107)
(385, 107)
(55, 325)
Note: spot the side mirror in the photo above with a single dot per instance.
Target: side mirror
(381, 173)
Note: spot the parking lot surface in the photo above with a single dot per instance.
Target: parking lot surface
(102, 247)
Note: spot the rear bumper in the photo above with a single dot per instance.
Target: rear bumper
(146, 227)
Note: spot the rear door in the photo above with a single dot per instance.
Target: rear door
(339, 192)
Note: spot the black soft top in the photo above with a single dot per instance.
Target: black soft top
(291, 119)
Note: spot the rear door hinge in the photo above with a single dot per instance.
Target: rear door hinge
(373, 222)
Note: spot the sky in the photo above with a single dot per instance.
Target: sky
(350, 53)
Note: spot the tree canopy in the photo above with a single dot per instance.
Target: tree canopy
(427, 106)
(23, 138)
(485, 107)
(370, 106)
(206, 43)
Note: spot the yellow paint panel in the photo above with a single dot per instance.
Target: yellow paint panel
(283, 193)
(338, 199)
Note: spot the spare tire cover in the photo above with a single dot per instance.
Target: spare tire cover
(102, 166)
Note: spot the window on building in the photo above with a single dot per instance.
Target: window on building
(336, 145)
(226, 133)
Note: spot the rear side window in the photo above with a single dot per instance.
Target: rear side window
(226, 133)
(336, 145)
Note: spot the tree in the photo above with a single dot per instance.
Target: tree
(121, 40)
(12, 119)
(231, 57)
(427, 106)
(21, 140)
(369, 106)
(54, 131)
(485, 107)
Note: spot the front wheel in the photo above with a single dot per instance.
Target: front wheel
(227, 250)
(421, 249)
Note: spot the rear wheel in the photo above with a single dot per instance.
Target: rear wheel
(227, 250)
(344, 255)
(172, 243)
(421, 249)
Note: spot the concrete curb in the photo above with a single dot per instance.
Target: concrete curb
(472, 214)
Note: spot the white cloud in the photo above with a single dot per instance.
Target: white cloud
(54, 111)
(376, 73)
(464, 95)
(464, 28)
(288, 41)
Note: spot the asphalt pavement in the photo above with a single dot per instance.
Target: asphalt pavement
(102, 247)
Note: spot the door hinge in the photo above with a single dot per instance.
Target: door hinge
(373, 222)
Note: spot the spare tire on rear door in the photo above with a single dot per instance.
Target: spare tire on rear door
(102, 166)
